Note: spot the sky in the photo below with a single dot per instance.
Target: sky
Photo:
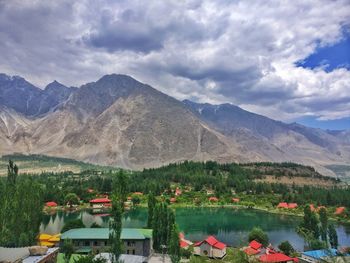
(288, 60)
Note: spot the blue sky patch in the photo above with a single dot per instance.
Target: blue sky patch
(330, 57)
(339, 124)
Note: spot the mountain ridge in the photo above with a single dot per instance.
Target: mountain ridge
(118, 120)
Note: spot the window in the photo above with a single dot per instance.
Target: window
(105, 243)
(131, 243)
(133, 251)
(127, 252)
(95, 243)
(87, 243)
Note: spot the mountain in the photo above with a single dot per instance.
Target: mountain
(120, 121)
(276, 140)
(20, 95)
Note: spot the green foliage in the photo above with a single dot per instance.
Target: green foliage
(71, 199)
(115, 227)
(20, 210)
(333, 237)
(174, 245)
(286, 248)
(71, 224)
(259, 235)
(163, 221)
(152, 201)
(68, 249)
(324, 224)
(90, 259)
(310, 223)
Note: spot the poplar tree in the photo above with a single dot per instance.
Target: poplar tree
(174, 245)
(333, 237)
(115, 228)
(324, 224)
(152, 201)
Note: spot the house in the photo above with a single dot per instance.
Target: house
(282, 205)
(292, 205)
(213, 199)
(100, 202)
(253, 248)
(277, 257)
(173, 200)
(210, 247)
(235, 200)
(339, 210)
(137, 193)
(184, 243)
(51, 204)
(23, 254)
(85, 240)
(178, 191)
(315, 256)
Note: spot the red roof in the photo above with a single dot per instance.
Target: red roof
(282, 205)
(213, 198)
(100, 200)
(181, 235)
(236, 200)
(51, 204)
(183, 244)
(292, 205)
(255, 245)
(178, 191)
(278, 257)
(138, 193)
(251, 251)
(90, 190)
(212, 241)
(172, 200)
(312, 208)
(339, 210)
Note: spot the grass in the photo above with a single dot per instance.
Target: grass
(60, 258)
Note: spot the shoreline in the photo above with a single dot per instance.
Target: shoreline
(182, 205)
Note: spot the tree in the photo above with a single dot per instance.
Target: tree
(67, 249)
(310, 222)
(259, 235)
(71, 224)
(174, 245)
(21, 209)
(333, 237)
(286, 248)
(115, 228)
(71, 199)
(324, 224)
(152, 201)
(90, 259)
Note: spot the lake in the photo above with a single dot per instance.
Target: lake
(227, 224)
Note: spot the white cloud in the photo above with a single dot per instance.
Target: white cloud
(241, 52)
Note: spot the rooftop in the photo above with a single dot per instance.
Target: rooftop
(103, 233)
(318, 254)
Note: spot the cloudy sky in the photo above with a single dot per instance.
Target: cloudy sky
(289, 60)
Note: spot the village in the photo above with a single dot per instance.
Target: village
(138, 242)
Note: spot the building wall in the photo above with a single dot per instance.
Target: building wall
(219, 253)
(132, 247)
(203, 250)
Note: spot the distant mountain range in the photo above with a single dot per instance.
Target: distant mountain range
(120, 121)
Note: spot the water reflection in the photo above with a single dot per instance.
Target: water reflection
(229, 225)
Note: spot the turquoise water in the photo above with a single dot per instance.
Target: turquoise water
(227, 224)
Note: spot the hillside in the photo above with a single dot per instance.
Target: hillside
(120, 121)
(39, 163)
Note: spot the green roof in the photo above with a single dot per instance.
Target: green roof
(103, 233)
